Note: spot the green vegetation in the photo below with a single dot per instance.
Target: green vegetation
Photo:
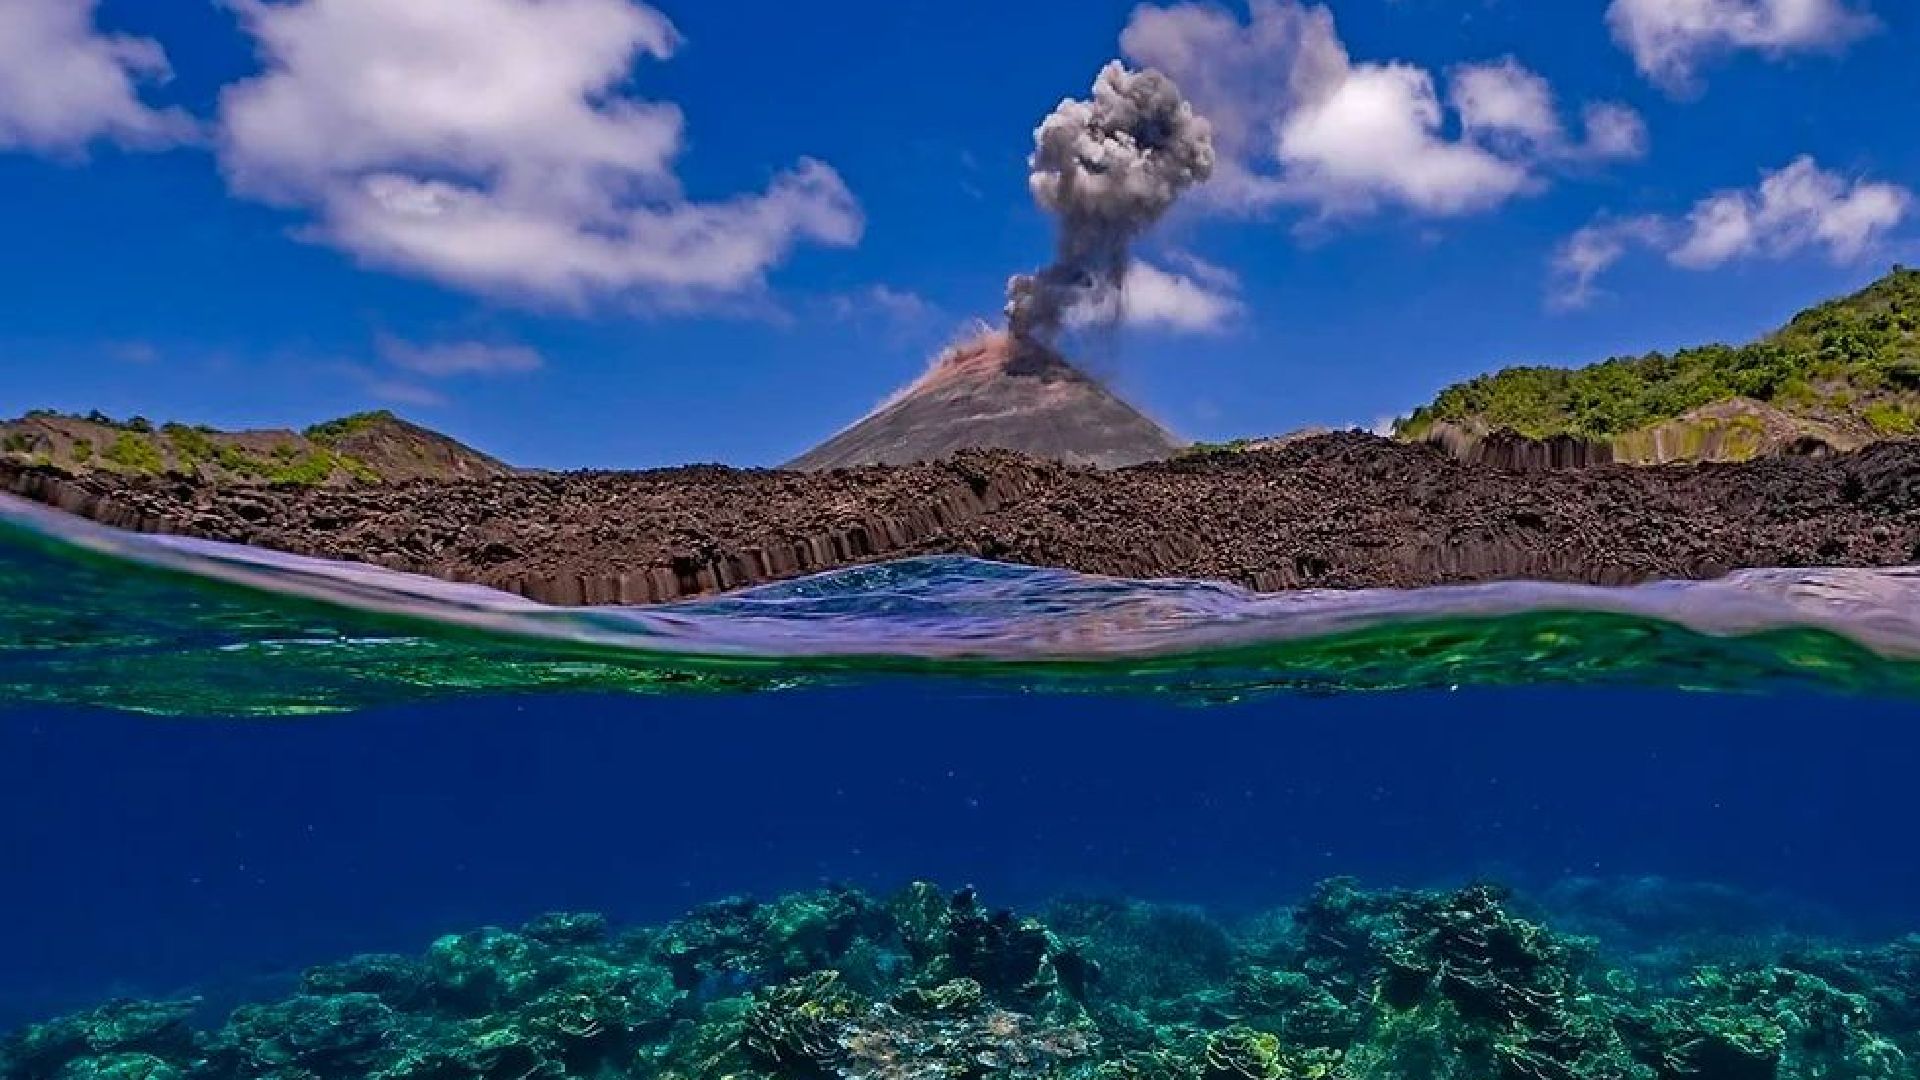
(292, 465)
(835, 985)
(194, 446)
(1202, 449)
(334, 430)
(360, 471)
(133, 452)
(1854, 357)
(1894, 420)
(241, 463)
(137, 447)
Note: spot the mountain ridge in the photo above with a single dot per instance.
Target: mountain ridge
(364, 448)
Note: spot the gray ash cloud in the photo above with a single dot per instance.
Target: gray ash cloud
(1108, 169)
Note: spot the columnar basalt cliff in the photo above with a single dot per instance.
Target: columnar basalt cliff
(1336, 511)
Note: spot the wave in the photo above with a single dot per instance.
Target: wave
(96, 616)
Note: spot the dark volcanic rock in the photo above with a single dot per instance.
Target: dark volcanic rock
(1338, 511)
(994, 394)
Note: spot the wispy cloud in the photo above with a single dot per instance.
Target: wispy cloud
(898, 306)
(1581, 258)
(1794, 209)
(134, 352)
(405, 393)
(1670, 40)
(453, 358)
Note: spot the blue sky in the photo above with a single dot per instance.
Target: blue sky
(596, 232)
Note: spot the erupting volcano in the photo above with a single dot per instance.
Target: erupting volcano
(999, 392)
(1106, 169)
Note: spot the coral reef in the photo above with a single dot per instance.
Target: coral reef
(927, 985)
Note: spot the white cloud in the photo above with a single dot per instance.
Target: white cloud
(404, 393)
(1299, 122)
(65, 85)
(1376, 138)
(1670, 39)
(1800, 206)
(1797, 208)
(491, 145)
(898, 306)
(1580, 260)
(1212, 275)
(453, 358)
(1614, 131)
(1153, 298)
(1504, 99)
(1504, 105)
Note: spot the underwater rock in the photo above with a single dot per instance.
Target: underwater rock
(400, 982)
(1018, 961)
(106, 1041)
(1774, 1022)
(961, 997)
(797, 1027)
(301, 1037)
(1240, 1053)
(1352, 984)
(1145, 950)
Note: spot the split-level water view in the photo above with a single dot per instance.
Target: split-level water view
(273, 817)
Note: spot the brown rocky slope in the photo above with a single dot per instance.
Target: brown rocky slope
(1340, 511)
(375, 447)
(998, 393)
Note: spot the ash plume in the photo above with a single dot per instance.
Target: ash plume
(1108, 169)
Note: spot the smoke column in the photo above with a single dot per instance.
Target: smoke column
(1109, 169)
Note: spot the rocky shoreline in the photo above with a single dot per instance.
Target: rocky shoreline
(1335, 511)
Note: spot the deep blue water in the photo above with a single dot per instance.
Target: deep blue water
(143, 856)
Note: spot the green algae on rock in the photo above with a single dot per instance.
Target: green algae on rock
(927, 985)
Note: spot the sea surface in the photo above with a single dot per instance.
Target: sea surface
(1507, 832)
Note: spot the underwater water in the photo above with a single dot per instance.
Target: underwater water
(269, 817)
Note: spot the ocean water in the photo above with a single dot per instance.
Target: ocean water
(948, 819)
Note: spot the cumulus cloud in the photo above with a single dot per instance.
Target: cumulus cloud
(1800, 206)
(1297, 121)
(491, 145)
(1504, 105)
(455, 358)
(65, 85)
(1505, 100)
(1158, 299)
(1794, 209)
(1670, 39)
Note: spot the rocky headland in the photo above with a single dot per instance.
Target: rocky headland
(1342, 510)
(1837, 377)
(366, 448)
